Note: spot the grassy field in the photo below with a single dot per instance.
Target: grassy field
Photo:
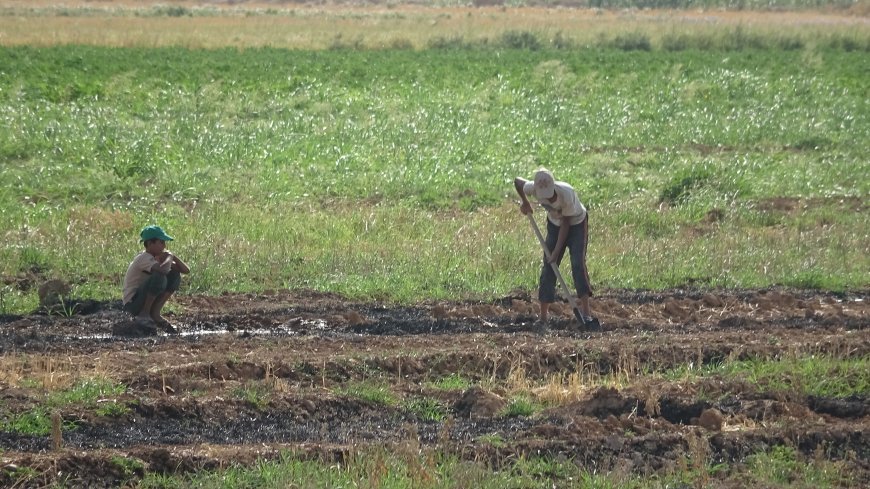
(409, 469)
(729, 157)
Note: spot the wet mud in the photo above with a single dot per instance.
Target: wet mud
(250, 376)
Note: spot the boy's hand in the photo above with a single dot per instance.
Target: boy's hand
(166, 260)
(526, 208)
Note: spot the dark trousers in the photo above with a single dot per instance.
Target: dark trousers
(578, 239)
(155, 285)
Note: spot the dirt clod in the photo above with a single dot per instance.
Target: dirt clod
(711, 420)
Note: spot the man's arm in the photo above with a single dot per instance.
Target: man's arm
(519, 184)
(564, 227)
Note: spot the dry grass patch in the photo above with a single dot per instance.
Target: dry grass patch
(374, 27)
(49, 372)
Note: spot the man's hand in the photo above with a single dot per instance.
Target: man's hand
(554, 257)
(526, 208)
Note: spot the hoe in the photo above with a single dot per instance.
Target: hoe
(571, 298)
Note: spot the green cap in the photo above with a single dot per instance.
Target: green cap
(152, 232)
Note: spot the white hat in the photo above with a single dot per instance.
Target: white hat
(545, 184)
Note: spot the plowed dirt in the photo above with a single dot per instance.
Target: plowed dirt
(185, 407)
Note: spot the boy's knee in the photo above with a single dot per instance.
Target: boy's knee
(173, 281)
(156, 284)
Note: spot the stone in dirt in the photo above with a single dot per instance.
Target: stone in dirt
(478, 403)
(52, 292)
(711, 420)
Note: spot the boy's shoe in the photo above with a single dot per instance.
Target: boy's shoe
(540, 326)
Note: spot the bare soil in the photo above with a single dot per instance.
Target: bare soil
(185, 410)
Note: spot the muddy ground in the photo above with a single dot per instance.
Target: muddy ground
(189, 405)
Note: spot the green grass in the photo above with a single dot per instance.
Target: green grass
(369, 391)
(493, 439)
(87, 392)
(520, 406)
(377, 468)
(387, 174)
(112, 409)
(429, 469)
(254, 393)
(451, 382)
(427, 409)
(129, 467)
(35, 422)
(84, 394)
(815, 375)
(781, 466)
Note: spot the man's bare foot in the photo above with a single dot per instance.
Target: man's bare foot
(165, 325)
(144, 320)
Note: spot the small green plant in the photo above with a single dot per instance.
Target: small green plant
(257, 395)
(36, 422)
(681, 185)
(87, 392)
(64, 307)
(427, 409)
(112, 409)
(493, 439)
(130, 467)
(369, 391)
(520, 406)
(451, 382)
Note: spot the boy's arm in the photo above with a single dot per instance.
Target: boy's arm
(177, 264)
(169, 262)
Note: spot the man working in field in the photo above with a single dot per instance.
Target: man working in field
(567, 226)
(152, 277)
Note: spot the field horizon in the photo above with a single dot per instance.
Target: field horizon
(398, 25)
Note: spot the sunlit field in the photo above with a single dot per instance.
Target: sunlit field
(362, 303)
